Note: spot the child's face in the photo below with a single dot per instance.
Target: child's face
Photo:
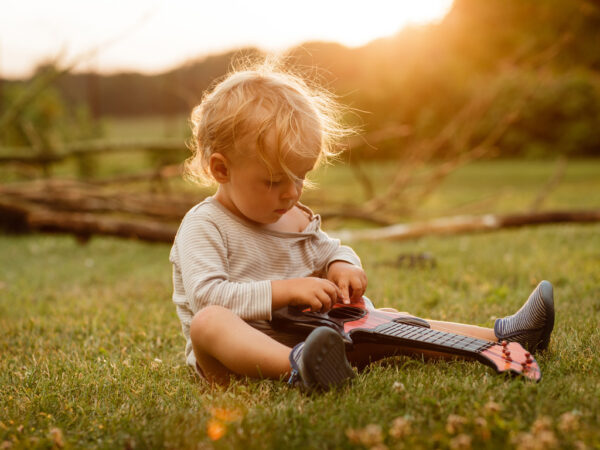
(262, 196)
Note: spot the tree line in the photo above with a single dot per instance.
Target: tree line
(534, 62)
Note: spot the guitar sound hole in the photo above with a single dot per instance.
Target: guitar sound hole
(346, 312)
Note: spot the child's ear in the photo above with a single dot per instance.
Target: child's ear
(219, 168)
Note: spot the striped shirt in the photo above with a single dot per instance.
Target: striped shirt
(220, 259)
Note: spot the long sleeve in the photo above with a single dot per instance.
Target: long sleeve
(335, 251)
(345, 253)
(201, 257)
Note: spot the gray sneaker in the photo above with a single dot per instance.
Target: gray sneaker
(531, 325)
(320, 363)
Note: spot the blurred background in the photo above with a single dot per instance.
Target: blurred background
(465, 106)
(475, 115)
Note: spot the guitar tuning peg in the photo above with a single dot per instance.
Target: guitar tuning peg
(527, 354)
(504, 343)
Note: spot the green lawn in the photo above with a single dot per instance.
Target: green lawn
(91, 353)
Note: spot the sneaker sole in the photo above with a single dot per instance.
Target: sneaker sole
(324, 358)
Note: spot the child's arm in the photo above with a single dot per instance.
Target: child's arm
(201, 270)
(317, 293)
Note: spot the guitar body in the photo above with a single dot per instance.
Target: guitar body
(361, 323)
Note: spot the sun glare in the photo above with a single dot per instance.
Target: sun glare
(356, 26)
(151, 36)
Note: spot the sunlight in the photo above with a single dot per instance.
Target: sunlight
(383, 18)
(151, 36)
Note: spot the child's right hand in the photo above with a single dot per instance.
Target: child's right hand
(317, 293)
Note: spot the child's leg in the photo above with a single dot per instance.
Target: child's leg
(532, 325)
(464, 329)
(224, 345)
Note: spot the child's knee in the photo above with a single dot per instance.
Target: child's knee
(207, 322)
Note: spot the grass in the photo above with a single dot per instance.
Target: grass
(91, 353)
(91, 346)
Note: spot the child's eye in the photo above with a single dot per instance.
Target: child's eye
(277, 183)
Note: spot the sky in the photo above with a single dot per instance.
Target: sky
(151, 36)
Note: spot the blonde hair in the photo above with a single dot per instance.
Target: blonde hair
(235, 117)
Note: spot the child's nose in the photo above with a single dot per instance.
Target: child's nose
(292, 190)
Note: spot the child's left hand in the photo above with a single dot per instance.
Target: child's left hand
(351, 280)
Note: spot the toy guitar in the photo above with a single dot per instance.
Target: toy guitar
(360, 323)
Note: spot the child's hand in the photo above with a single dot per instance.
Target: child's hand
(351, 280)
(317, 293)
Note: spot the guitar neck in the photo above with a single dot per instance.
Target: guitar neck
(432, 339)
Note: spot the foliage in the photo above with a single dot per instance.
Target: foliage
(46, 112)
(535, 56)
(557, 114)
(45, 121)
(544, 52)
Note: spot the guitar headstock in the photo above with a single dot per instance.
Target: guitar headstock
(511, 356)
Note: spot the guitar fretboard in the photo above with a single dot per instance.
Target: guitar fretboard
(434, 337)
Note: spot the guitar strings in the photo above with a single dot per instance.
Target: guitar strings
(422, 334)
(346, 313)
(452, 339)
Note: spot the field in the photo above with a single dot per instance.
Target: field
(92, 353)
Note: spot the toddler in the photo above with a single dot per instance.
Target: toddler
(252, 247)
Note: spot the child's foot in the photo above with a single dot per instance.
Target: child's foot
(320, 361)
(531, 325)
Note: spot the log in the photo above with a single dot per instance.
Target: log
(466, 224)
(26, 218)
(72, 196)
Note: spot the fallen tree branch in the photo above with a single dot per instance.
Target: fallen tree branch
(466, 224)
(27, 218)
(74, 196)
